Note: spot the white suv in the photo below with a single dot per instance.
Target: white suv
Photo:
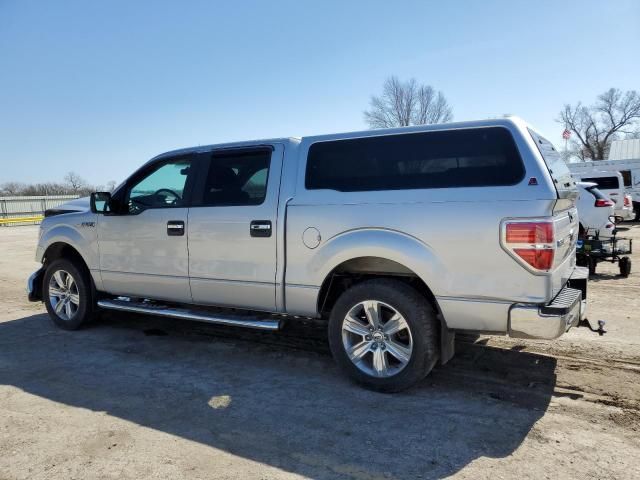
(594, 211)
(611, 184)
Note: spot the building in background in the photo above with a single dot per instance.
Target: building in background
(624, 149)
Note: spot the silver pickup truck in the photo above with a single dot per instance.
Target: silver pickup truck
(397, 238)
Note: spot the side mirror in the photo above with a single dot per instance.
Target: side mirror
(99, 202)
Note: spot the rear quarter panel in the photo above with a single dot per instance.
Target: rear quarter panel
(449, 237)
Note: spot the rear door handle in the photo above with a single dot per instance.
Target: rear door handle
(260, 228)
(175, 228)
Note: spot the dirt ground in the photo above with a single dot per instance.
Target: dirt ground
(133, 397)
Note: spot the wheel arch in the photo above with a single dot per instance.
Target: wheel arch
(60, 249)
(381, 252)
(358, 269)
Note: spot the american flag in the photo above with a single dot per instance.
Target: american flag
(566, 134)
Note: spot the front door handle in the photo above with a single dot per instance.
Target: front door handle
(175, 228)
(260, 228)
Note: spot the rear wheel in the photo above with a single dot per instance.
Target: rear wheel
(384, 335)
(67, 294)
(625, 266)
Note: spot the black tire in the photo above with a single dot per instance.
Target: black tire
(592, 264)
(83, 290)
(625, 266)
(422, 324)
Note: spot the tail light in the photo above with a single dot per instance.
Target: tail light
(529, 232)
(601, 202)
(530, 242)
(627, 201)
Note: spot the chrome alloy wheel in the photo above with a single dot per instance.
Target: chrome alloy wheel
(377, 338)
(63, 295)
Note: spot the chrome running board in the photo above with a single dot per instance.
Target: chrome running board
(185, 314)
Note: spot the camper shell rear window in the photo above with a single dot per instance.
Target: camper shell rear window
(562, 179)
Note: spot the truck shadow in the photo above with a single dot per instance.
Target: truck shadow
(287, 405)
(599, 277)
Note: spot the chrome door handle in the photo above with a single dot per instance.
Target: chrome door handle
(175, 228)
(260, 228)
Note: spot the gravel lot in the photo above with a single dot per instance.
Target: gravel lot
(138, 397)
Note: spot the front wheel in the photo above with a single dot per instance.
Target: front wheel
(67, 294)
(384, 335)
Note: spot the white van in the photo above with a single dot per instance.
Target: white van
(628, 168)
(611, 184)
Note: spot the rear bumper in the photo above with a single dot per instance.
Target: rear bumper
(34, 285)
(627, 213)
(552, 320)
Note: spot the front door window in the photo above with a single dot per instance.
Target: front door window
(164, 187)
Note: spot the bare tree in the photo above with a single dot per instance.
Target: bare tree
(596, 126)
(75, 182)
(73, 185)
(11, 188)
(407, 103)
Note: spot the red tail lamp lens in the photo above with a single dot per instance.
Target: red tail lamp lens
(601, 202)
(529, 232)
(537, 258)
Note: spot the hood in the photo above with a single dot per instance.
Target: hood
(75, 205)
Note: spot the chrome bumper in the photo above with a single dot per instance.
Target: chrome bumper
(579, 280)
(34, 285)
(548, 321)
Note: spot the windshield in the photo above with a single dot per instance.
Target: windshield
(562, 179)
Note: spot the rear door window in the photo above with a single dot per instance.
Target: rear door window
(438, 159)
(562, 179)
(236, 178)
(605, 183)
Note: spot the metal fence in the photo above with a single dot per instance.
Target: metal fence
(28, 210)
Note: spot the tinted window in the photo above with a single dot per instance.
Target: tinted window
(605, 183)
(163, 187)
(626, 177)
(455, 158)
(237, 178)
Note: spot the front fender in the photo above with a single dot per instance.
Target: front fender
(399, 247)
(78, 231)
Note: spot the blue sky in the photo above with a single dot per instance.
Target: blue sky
(100, 87)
